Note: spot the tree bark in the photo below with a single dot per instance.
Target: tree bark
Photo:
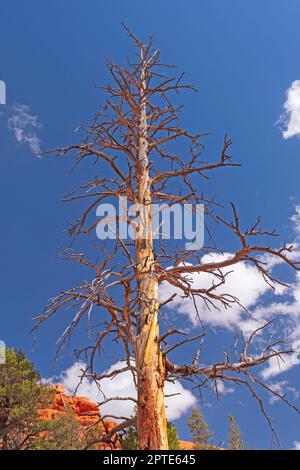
(151, 417)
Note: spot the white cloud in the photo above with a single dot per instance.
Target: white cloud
(296, 445)
(296, 219)
(281, 388)
(243, 281)
(277, 366)
(122, 386)
(247, 285)
(24, 125)
(290, 309)
(223, 389)
(291, 116)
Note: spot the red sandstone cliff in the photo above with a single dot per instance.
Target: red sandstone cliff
(84, 410)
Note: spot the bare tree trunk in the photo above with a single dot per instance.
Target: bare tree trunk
(151, 418)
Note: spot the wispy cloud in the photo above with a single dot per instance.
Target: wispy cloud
(296, 220)
(290, 120)
(24, 125)
(282, 388)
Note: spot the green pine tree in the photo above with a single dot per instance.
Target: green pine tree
(200, 433)
(21, 394)
(236, 439)
(173, 438)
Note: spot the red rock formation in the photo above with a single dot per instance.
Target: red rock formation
(85, 411)
(186, 445)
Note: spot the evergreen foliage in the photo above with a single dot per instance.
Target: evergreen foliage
(236, 439)
(21, 394)
(200, 433)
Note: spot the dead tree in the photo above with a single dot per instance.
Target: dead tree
(143, 154)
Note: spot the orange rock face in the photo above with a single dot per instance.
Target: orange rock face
(186, 445)
(85, 411)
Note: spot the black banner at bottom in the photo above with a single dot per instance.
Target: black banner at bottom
(136, 459)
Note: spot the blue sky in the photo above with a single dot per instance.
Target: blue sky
(242, 57)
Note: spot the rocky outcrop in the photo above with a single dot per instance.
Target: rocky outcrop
(186, 445)
(85, 411)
